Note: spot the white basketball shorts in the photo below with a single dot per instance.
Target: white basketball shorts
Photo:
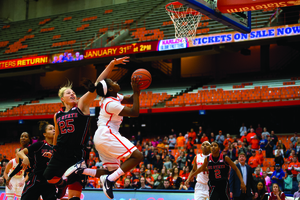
(16, 189)
(111, 147)
(201, 191)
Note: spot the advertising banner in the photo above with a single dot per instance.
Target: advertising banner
(24, 62)
(121, 50)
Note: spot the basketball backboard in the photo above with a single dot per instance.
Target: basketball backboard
(237, 21)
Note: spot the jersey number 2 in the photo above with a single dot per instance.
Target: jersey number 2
(70, 127)
(217, 173)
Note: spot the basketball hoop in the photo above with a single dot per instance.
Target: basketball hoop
(185, 20)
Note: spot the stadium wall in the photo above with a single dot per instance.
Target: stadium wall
(16, 9)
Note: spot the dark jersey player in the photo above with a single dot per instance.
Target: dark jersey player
(218, 167)
(37, 157)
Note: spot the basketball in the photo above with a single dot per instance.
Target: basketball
(144, 76)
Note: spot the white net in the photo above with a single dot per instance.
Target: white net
(185, 20)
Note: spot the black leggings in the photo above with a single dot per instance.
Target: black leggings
(36, 186)
(219, 190)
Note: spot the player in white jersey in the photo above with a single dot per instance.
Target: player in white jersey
(201, 188)
(109, 143)
(16, 183)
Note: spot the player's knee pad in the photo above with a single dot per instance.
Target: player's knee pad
(75, 198)
(75, 186)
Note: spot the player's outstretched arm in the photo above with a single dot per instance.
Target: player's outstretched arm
(234, 167)
(200, 169)
(86, 100)
(135, 110)
(192, 171)
(25, 161)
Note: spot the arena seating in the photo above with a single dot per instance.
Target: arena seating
(259, 91)
(65, 28)
(230, 93)
(74, 30)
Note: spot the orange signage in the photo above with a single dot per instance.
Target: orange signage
(24, 62)
(121, 50)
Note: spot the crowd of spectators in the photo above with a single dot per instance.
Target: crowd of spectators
(169, 159)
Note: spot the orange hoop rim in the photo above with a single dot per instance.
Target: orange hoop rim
(176, 3)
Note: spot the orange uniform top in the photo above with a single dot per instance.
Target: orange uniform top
(225, 143)
(260, 158)
(160, 147)
(192, 135)
(242, 138)
(203, 139)
(250, 136)
(93, 181)
(180, 141)
(254, 144)
(296, 166)
(253, 162)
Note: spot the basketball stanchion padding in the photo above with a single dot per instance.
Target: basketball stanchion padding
(144, 78)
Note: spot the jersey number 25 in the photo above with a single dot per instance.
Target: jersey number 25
(70, 127)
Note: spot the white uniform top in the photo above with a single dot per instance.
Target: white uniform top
(20, 174)
(203, 176)
(109, 113)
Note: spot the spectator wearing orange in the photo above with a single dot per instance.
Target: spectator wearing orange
(92, 153)
(192, 134)
(244, 136)
(260, 157)
(160, 147)
(190, 144)
(185, 174)
(289, 150)
(203, 138)
(250, 135)
(135, 180)
(228, 139)
(180, 141)
(254, 142)
(149, 178)
(138, 146)
(119, 183)
(253, 161)
(291, 156)
(294, 166)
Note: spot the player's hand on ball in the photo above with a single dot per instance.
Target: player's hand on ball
(120, 60)
(135, 84)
